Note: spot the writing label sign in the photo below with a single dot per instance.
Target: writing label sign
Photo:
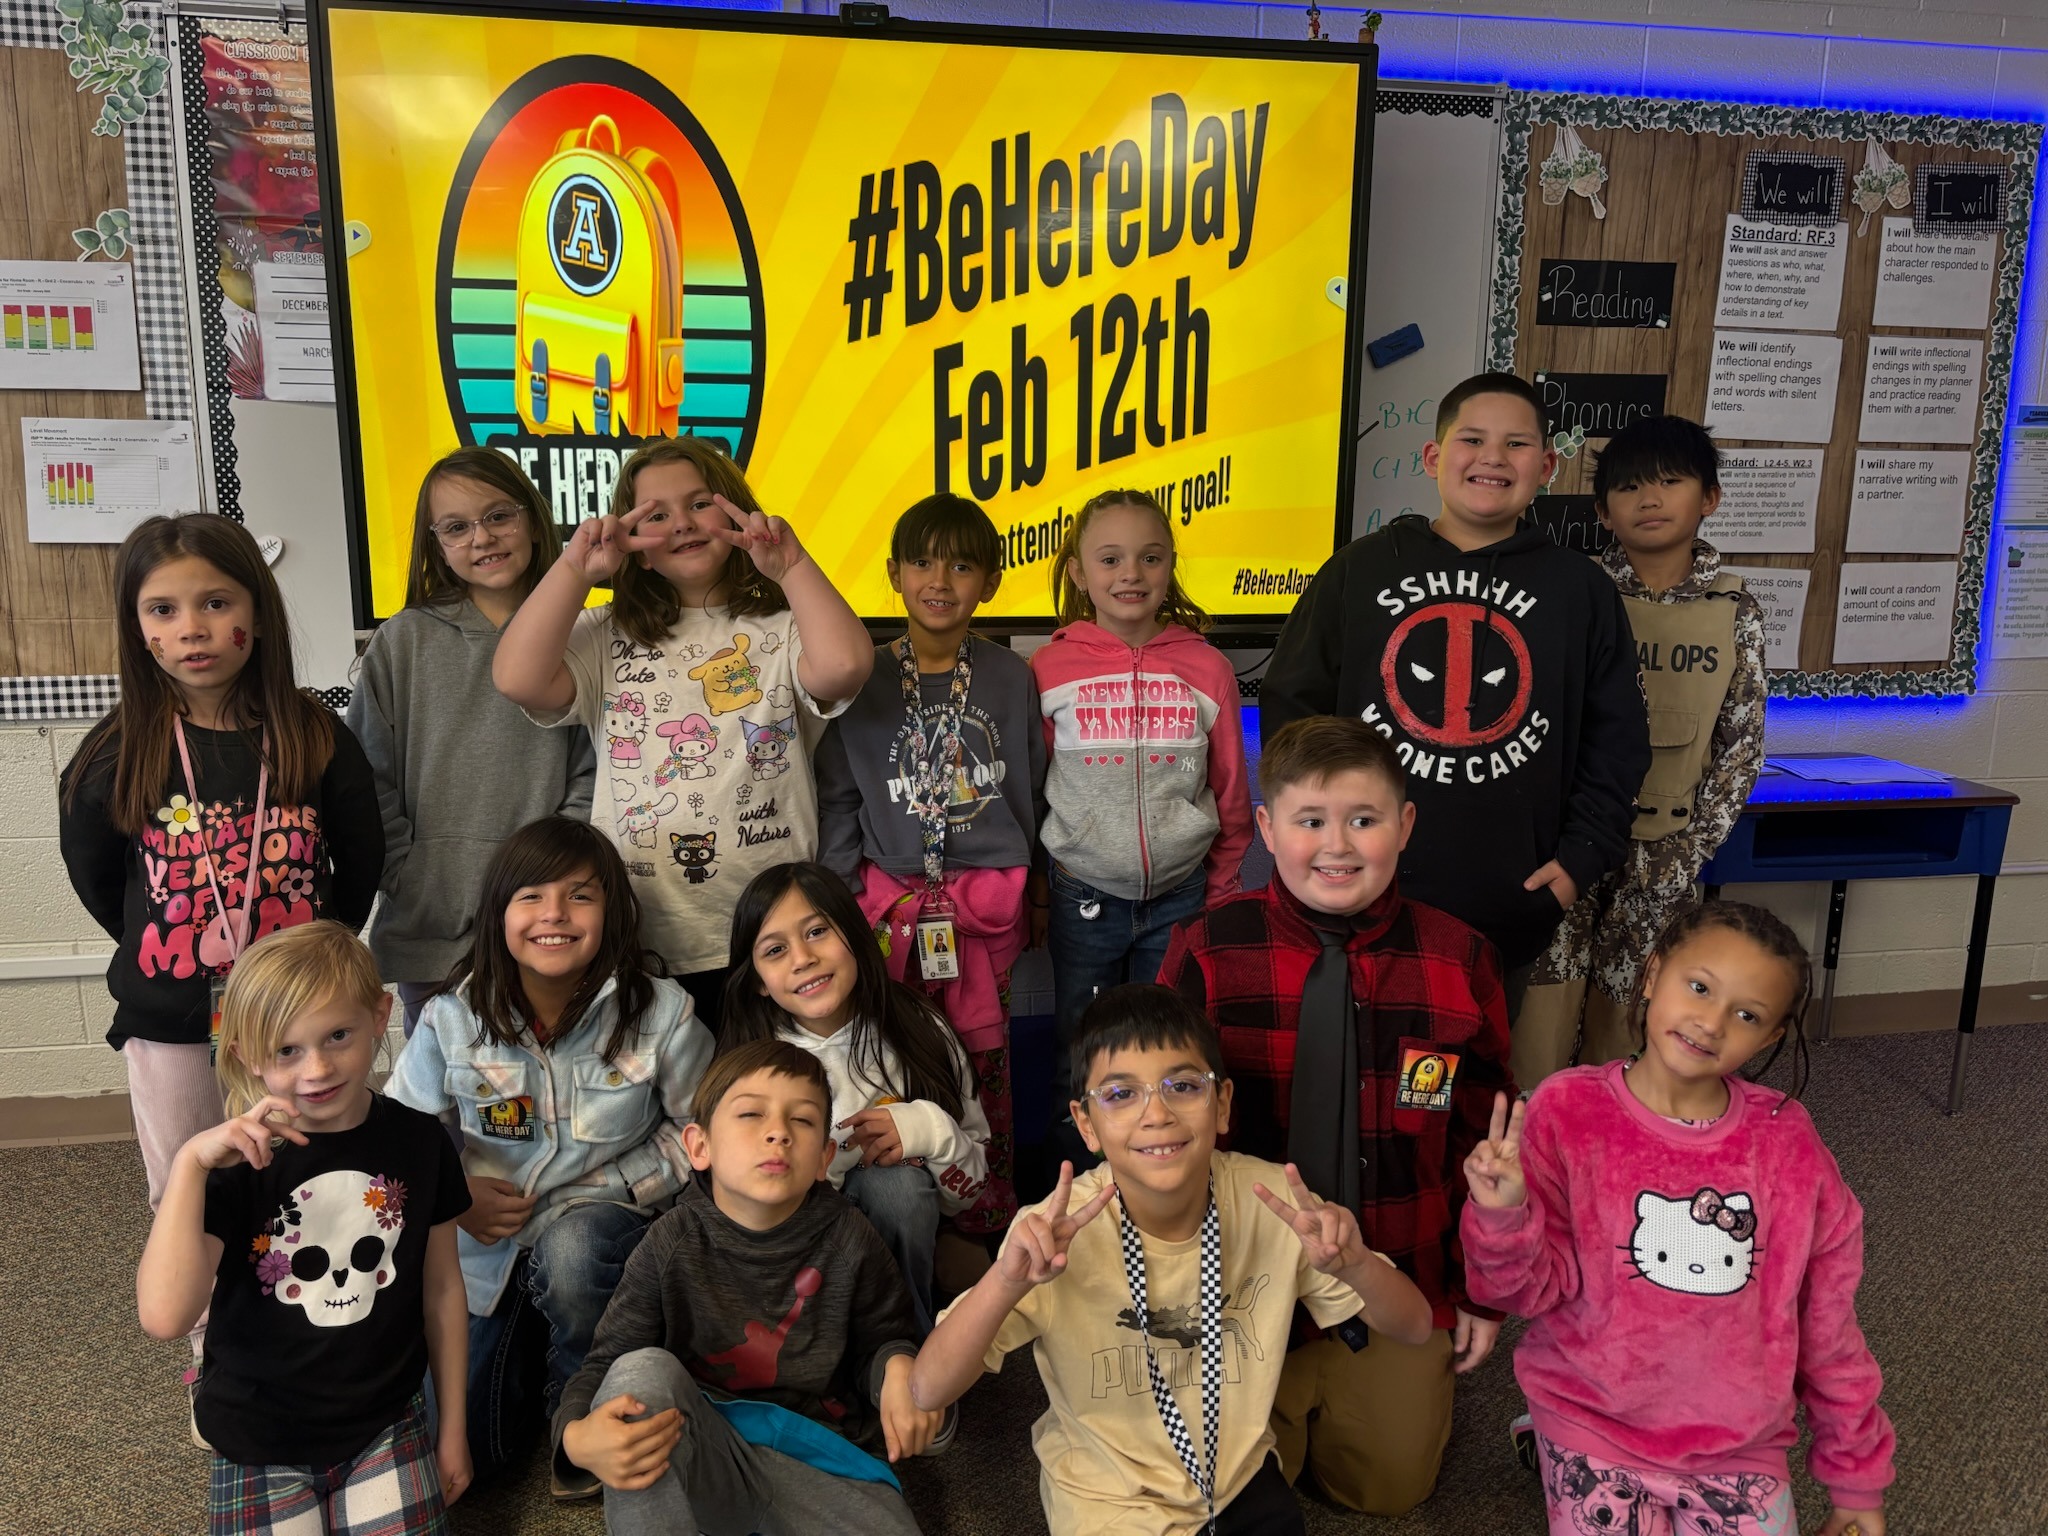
(1619, 295)
(1793, 188)
(1599, 403)
(1570, 522)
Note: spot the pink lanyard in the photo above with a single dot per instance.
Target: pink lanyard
(236, 941)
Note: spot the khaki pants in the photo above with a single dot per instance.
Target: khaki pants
(1370, 1427)
(1608, 1034)
(1544, 1032)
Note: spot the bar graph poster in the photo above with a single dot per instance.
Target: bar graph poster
(68, 325)
(90, 482)
(266, 211)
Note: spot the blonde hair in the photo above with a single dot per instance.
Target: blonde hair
(274, 982)
(1070, 599)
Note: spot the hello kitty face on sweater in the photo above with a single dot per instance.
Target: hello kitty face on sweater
(1702, 1245)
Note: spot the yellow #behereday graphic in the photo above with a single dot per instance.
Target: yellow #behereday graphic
(874, 269)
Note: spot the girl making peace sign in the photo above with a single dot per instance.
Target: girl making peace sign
(1688, 1255)
(704, 684)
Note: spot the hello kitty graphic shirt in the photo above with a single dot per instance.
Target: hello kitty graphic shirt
(1688, 1287)
(704, 775)
(320, 858)
(317, 1338)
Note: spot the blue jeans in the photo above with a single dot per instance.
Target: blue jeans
(902, 1205)
(523, 1354)
(1124, 941)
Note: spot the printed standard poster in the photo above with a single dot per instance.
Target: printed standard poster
(874, 268)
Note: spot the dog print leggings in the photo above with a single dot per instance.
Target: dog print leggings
(1585, 1496)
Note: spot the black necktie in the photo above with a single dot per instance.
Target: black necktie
(1322, 1134)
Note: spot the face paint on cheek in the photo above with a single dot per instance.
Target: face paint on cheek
(156, 648)
(241, 639)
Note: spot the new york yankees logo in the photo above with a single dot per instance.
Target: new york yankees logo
(1449, 682)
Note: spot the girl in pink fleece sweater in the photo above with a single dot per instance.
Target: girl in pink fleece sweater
(1687, 1253)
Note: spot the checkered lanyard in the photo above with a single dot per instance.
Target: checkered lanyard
(932, 756)
(1212, 1347)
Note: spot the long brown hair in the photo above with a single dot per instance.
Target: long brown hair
(430, 582)
(266, 697)
(885, 1012)
(540, 853)
(644, 605)
(1070, 600)
(1769, 933)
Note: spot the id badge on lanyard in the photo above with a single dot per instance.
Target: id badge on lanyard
(938, 946)
(234, 937)
(933, 758)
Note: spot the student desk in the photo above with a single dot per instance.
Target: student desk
(1806, 829)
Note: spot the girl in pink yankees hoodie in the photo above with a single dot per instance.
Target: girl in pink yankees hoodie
(1687, 1254)
(1148, 808)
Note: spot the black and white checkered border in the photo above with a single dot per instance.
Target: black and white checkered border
(29, 24)
(1756, 215)
(87, 698)
(57, 698)
(151, 150)
(1990, 226)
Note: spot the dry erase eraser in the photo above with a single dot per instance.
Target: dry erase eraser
(1394, 346)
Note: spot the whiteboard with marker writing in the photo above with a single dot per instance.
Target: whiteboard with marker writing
(1435, 193)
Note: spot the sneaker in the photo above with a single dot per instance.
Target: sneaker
(949, 1429)
(572, 1485)
(1523, 1432)
(191, 1380)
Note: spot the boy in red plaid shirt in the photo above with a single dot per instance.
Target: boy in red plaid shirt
(1329, 977)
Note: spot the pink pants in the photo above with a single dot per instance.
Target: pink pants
(173, 1096)
(1585, 1496)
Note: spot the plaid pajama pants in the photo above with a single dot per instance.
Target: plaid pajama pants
(393, 1488)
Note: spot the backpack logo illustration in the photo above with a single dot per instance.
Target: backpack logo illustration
(596, 281)
(583, 225)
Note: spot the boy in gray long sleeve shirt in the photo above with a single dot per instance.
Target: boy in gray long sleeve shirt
(760, 1336)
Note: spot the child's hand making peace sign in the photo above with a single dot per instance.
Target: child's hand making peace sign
(769, 541)
(1329, 1232)
(1037, 1247)
(1494, 1170)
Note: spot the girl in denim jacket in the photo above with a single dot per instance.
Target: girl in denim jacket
(564, 1062)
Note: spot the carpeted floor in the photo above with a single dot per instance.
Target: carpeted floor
(92, 1436)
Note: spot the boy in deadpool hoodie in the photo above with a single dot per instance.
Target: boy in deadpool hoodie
(1501, 668)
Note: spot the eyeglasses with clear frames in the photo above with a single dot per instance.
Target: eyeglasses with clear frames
(1185, 1090)
(458, 531)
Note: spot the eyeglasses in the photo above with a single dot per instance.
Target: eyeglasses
(1120, 1101)
(458, 531)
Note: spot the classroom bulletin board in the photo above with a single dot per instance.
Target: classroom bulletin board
(1835, 295)
(88, 155)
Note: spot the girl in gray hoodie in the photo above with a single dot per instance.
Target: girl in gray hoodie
(458, 767)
